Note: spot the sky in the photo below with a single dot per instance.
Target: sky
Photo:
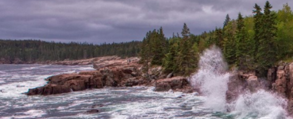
(107, 21)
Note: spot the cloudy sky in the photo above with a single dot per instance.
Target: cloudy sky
(99, 21)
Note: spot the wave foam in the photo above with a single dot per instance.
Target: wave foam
(17, 89)
(261, 104)
(213, 83)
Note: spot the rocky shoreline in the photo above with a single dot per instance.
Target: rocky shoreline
(279, 81)
(116, 72)
(112, 72)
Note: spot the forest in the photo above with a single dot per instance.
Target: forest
(250, 43)
(34, 51)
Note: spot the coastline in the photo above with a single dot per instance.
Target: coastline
(113, 71)
(87, 61)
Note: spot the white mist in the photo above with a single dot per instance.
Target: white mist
(212, 80)
(261, 104)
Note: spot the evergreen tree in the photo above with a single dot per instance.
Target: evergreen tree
(241, 44)
(266, 53)
(227, 20)
(248, 42)
(145, 48)
(146, 54)
(185, 31)
(186, 58)
(257, 27)
(170, 64)
(219, 37)
(229, 43)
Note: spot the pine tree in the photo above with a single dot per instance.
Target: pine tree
(170, 64)
(145, 51)
(146, 54)
(227, 20)
(266, 52)
(241, 43)
(154, 47)
(219, 37)
(186, 58)
(229, 43)
(185, 31)
(257, 27)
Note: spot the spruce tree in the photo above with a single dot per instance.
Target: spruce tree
(186, 58)
(266, 51)
(170, 64)
(241, 44)
(257, 27)
(185, 31)
(153, 47)
(146, 53)
(219, 37)
(229, 43)
(227, 20)
(158, 43)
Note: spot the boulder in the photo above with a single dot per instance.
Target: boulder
(253, 83)
(93, 111)
(175, 83)
(162, 87)
(241, 82)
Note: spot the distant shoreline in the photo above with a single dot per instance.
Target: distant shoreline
(87, 61)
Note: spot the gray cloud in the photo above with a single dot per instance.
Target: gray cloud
(99, 21)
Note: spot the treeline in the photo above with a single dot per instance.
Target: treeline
(259, 41)
(252, 43)
(30, 51)
(178, 54)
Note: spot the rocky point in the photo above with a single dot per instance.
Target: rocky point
(111, 72)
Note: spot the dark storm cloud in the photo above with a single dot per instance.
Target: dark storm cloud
(99, 21)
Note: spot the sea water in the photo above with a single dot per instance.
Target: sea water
(134, 102)
(212, 79)
(112, 103)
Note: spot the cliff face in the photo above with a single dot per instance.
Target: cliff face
(282, 82)
(279, 80)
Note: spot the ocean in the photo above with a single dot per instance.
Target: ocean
(133, 102)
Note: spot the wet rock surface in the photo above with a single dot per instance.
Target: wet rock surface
(93, 111)
(283, 83)
(279, 79)
(111, 72)
(84, 80)
(174, 83)
(241, 82)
